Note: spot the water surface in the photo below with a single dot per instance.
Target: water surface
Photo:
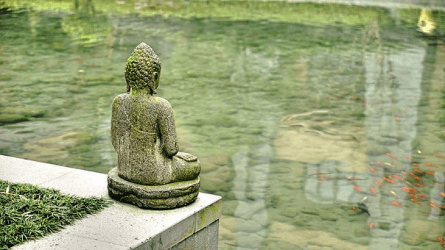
(295, 122)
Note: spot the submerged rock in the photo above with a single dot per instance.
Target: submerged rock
(15, 115)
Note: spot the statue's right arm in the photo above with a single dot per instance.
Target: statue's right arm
(166, 122)
(117, 102)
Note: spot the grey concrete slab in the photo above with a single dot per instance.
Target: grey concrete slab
(80, 183)
(68, 242)
(26, 171)
(128, 225)
(121, 226)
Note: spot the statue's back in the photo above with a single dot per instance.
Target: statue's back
(139, 144)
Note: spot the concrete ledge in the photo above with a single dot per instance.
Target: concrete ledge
(121, 226)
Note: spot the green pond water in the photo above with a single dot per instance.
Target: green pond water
(320, 131)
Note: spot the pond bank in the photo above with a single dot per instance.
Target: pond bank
(120, 226)
(430, 4)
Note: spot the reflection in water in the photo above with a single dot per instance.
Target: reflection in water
(393, 90)
(252, 164)
(249, 188)
(85, 6)
(435, 196)
(327, 183)
(426, 22)
(392, 95)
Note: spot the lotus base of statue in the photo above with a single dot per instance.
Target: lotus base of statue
(168, 196)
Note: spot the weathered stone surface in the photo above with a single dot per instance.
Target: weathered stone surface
(151, 173)
(158, 197)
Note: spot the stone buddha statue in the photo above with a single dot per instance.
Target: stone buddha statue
(151, 173)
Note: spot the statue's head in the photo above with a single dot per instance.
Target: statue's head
(143, 69)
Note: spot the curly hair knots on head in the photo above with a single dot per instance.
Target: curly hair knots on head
(140, 67)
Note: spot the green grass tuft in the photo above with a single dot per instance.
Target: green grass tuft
(30, 212)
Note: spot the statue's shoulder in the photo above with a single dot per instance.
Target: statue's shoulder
(120, 98)
(161, 102)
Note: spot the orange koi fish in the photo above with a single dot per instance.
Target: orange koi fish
(406, 189)
(415, 165)
(377, 182)
(416, 170)
(390, 155)
(419, 185)
(373, 191)
(421, 195)
(440, 239)
(410, 191)
(354, 209)
(442, 194)
(372, 169)
(430, 165)
(379, 162)
(438, 156)
(389, 180)
(357, 189)
(413, 200)
(395, 203)
(433, 205)
(415, 176)
(430, 173)
(403, 172)
(438, 184)
(371, 225)
(398, 177)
